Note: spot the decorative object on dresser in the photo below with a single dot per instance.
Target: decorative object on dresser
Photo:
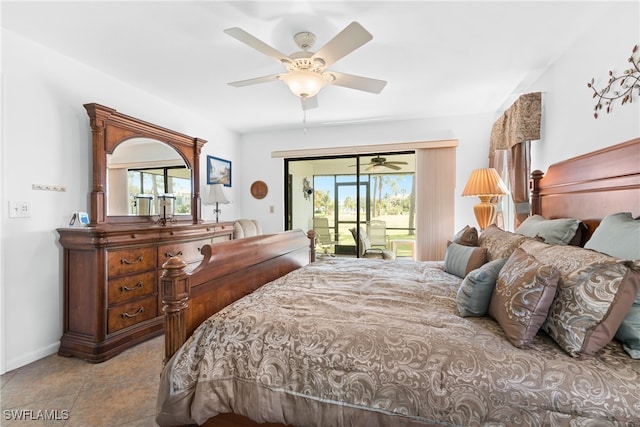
(485, 184)
(215, 197)
(112, 267)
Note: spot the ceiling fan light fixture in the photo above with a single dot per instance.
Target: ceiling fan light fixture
(304, 83)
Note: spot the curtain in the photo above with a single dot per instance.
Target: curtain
(513, 132)
(435, 205)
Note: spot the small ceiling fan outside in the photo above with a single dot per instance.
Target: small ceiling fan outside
(378, 162)
(306, 71)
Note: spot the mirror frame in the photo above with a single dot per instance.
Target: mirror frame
(109, 128)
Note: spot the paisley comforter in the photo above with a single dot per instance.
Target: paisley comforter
(347, 342)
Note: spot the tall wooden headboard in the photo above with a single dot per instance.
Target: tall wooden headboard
(590, 186)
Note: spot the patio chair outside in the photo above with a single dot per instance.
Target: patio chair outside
(324, 236)
(377, 232)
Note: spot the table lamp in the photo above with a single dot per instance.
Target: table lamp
(485, 184)
(216, 196)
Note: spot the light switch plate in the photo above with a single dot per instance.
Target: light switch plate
(19, 209)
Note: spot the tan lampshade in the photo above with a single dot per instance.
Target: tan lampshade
(485, 184)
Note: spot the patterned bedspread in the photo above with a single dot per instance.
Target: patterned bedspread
(348, 342)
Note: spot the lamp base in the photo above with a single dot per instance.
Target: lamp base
(485, 213)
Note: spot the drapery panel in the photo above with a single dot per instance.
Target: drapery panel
(513, 132)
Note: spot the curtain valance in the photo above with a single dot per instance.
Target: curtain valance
(521, 122)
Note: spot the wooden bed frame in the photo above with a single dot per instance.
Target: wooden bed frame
(587, 187)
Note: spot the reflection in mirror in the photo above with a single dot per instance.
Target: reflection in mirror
(139, 171)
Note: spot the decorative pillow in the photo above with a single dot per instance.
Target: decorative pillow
(617, 235)
(474, 294)
(468, 236)
(556, 231)
(522, 297)
(595, 292)
(459, 260)
(499, 243)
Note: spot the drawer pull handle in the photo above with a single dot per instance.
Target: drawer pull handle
(126, 261)
(170, 255)
(126, 315)
(127, 289)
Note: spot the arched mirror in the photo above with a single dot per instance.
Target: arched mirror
(139, 172)
(135, 164)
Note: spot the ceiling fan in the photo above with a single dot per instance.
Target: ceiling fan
(377, 162)
(306, 71)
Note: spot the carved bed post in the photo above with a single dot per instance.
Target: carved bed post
(534, 183)
(312, 245)
(174, 286)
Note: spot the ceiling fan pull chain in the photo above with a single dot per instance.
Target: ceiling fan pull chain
(304, 120)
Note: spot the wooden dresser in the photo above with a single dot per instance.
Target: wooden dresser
(111, 282)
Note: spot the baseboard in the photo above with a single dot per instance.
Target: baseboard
(31, 357)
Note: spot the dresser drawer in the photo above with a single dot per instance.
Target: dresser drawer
(126, 288)
(131, 313)
(222, 238)
(128, 261)
(188, 251)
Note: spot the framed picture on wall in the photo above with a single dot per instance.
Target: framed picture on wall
(218, 171)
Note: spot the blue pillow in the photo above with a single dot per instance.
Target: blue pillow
(474, 294)
(629, 331)
(617, 235)
(460, 260)
(554, 231)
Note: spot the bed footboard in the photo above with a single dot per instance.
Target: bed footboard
(228, 271)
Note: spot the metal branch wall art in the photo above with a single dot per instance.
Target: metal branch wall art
(618, 86)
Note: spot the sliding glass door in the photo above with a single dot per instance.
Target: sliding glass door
(374, 191)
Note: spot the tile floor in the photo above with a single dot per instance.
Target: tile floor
(119, 392)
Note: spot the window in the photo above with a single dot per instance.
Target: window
(156, 181)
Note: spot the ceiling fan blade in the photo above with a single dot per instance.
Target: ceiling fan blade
(254, 81)
(365, 84)
(309, 103)
(396, 163)
(390, 166)
(257, 44)
(345, 42)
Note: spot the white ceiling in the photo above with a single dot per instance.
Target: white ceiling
(439, 58)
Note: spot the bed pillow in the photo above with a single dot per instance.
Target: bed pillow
(555, 231)
(459, 260)
(522, 296)
(468, 236)
(629, 331)
(474, 294)
(617, 235)
(499, 243)
(595, 293)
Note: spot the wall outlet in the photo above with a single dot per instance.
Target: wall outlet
(19, 209)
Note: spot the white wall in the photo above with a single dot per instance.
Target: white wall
(46, 140)
(472, 132)
(569, 128)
